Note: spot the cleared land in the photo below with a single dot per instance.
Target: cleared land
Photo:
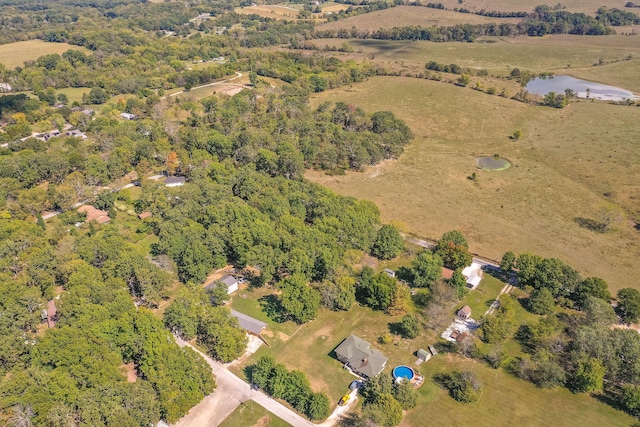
(565, 168)
(584, 6)
(15, 54)
(506, 401)
(403, 16)
(271, 11)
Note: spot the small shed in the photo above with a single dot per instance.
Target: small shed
(447, 273)
(423, 356)
(389, 272)
(433, 350)
(128, 116)
(145, 215)
(464, 313)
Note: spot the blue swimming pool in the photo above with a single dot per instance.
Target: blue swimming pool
(402, 372)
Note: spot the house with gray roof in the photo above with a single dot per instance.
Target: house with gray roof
(358, 355)
(174, 181)
(248, 323)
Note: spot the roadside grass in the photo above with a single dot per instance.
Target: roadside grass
(566, 167)
(404, 16)
(15, 54)
(250, 414)
(506, 401)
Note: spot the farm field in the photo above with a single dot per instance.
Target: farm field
(562, 54)
(15, 54)
(565, 169)
(403, 16)
(505, 401)
(584, 6)
(273, 11)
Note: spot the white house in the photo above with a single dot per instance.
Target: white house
(473, 274)
(174, 181)
(128, 116)
(229, 281)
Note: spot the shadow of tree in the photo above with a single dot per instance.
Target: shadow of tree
(270, 304)
(590, 224)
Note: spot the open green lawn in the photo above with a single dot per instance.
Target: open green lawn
(310, 347)
(15, 54)
(565, 168)
(250, 414)
(481, 298)
(505, 401)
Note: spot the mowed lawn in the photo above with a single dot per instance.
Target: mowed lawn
(404, 16)
(506, 401)
(15, 54)
(565, 168)
(250, 414)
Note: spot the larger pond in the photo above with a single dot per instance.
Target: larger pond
(581, 88)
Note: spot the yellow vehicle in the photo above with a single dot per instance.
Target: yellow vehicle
(344, 399)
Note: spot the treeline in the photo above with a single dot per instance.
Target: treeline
(291, 386)
(74, 372)
(354, 11)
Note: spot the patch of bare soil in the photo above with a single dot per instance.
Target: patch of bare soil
(130, 372)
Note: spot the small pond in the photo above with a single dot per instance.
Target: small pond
(582, 88)
(490, 163)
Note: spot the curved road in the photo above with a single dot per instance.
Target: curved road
(230, 392)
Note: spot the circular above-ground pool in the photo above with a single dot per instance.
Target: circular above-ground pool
(403, 372)
(492, 163)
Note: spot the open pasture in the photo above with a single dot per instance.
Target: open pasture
(14, 55)
(404, 16)
(505, 401)
(290, 11)
(566, 167)
(562, 54)
(584, 6)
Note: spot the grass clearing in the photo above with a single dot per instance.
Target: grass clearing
(506, 401)
(289, 11)
(250, 414)
(481, 298)
(15, 54)
(404, 16)
(562, 168)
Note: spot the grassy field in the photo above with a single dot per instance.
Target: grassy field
(565, 168)
(562, 54)
(290, 11)
(15, 54)
(584, 6)
(403, 16)
(250, 414)
(506, 401)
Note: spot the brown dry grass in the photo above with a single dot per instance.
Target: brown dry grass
(269, 11)
(584, 6)
(15, 54)
(403, 16)
(564, 165)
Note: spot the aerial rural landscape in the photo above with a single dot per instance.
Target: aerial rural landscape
(349, 213)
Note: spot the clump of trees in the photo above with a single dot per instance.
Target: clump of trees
(385, 400)
(463, 386)
(381, 292)
(291, 386)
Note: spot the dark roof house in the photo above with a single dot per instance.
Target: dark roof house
(248, 323)
(357, 354)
